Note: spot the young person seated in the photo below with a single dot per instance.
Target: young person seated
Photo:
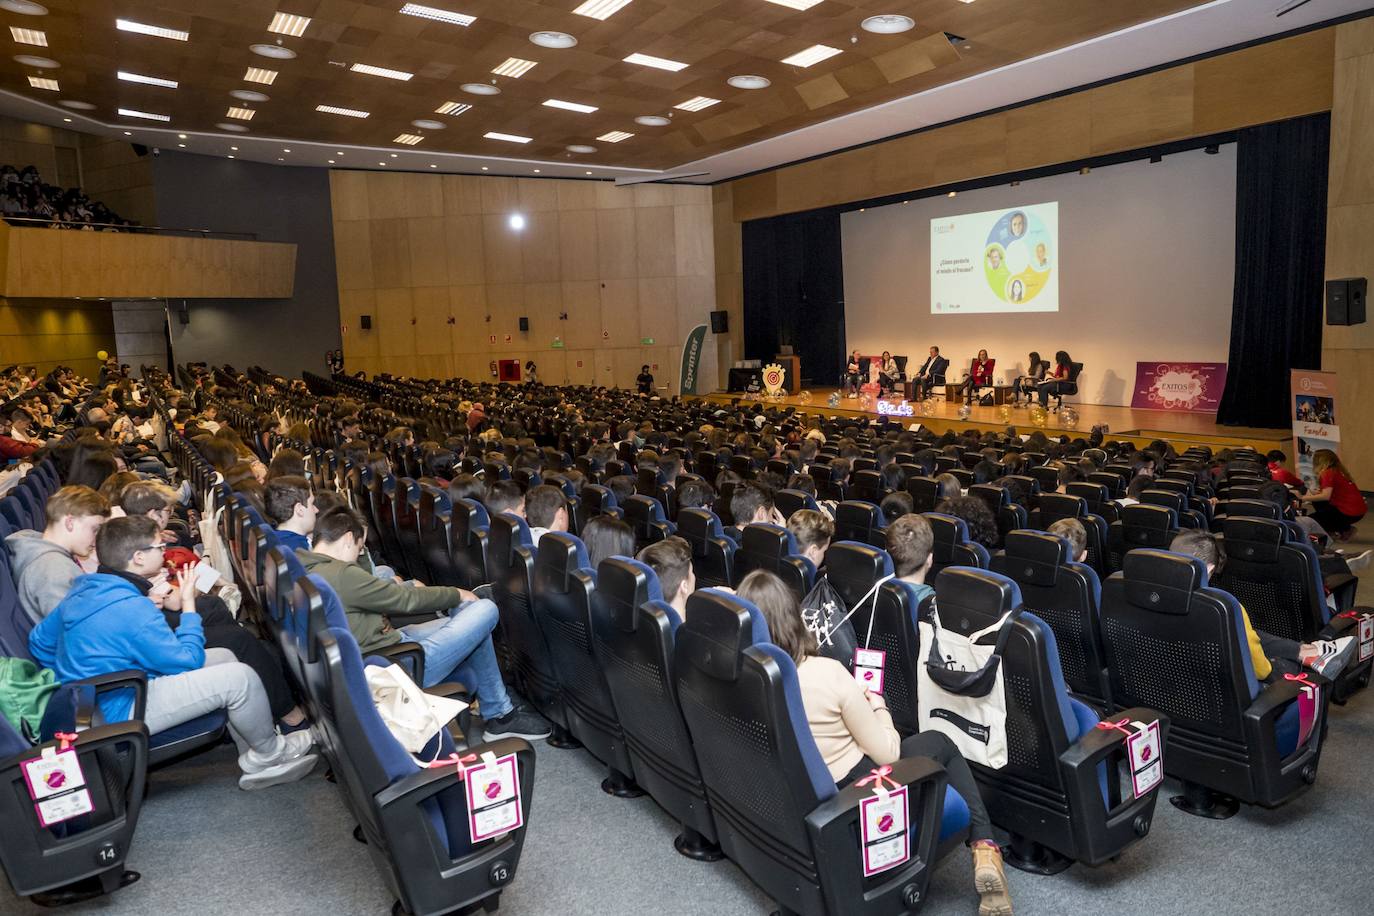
(854, 732)
(1072, 530)
(1035, 374)
(982, 524)
(605, 536)
(671, 561)
(457, 646)
(910, 543)
(695, 494)
(752, 504)
(291, 506)
(1274, 462)
(895, 505)
(504, 496)
(1057, 382)
(46, 563)
(546, 509)
(108, 623)
(1270, 655)
(979, 376)
(1337, 504)
(813, 532)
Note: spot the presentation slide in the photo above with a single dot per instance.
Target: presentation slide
(995, 261)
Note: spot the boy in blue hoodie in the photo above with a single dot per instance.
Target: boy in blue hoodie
(106, 624)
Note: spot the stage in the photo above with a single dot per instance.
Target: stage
(1139, 426)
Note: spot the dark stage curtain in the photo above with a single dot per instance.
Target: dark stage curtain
(794, 292)
(1276, 312)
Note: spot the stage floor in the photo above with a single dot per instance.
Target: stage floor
(1140, 426)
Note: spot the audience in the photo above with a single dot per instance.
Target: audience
(671, 561)
(291, 505)
(546, 509)
(46, 563)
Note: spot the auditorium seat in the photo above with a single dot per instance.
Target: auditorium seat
(645, 515)
(1096, 498)
(600, 500)
(860, 521)
(1178, 502)
(790, 501)
(713, 553)
(1065, 595)
(1055, 506)
(564, 596)
(779, 815)
(633, 632)
(1058, 795)
(434, 527)
(1179, 646)
(866, 484)
(1140, 526)
(1009, 515)
(924, 493)
(405, 511)
(774, 549)
(469, 533)
(951, 545)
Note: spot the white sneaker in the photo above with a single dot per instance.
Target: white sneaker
(1331, 656)
(1361, 561)
(291, 771)
(290, 760)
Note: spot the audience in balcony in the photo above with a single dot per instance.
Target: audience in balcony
(25, 198)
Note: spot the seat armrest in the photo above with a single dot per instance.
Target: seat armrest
(1258, 718)
(1079, 762)
(408, 655)
(835, 831)
(426, 783)
(128, 679)
(1342, 587)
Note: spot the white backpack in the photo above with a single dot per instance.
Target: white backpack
(959, 689)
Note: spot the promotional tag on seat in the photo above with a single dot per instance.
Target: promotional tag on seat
(493, 794)
(1309, 702)
(1146, 752)
(1366, 637)
(57, 786)
(868, 669)
(883, 831)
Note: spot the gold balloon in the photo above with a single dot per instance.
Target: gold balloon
(1004, 413)
(804, 397)
(1039, 416)
(102, 355)
(1069, 417)
(964, 411)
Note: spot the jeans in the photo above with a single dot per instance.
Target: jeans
(1048, 388)
(222, 683)
(459, 649)
(939, 748)
(223, 632)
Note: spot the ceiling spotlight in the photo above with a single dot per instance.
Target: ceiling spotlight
(77, 105)
(276, 52)
(248, 95)
(234, 148)
(580, 148)
(426, 124)
(1211, 150)
(128, 133)
(516, 221)
(433, 166)
(653, 120)
(536, 171)
(181, 136)
(481, 89)
(331, 161)
(182, 145)
(557, 40)
(953, 193)
(24, 7)
(42, 63)
(750, 82)
(438, 15)
(888, 24)
(233, 128)
(484, 168)
(66, 120)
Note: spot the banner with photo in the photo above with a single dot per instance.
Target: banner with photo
(1187, 387)
(1316, 420)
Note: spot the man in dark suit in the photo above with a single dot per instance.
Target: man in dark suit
(932, 373)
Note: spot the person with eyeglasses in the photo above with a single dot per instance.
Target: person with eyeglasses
(108, 623)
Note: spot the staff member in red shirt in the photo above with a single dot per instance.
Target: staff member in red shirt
(1280, 473)
(980, 376)
(1337, 503)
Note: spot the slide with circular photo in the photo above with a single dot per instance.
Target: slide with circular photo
(995, 261)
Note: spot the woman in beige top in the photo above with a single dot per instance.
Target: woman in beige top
(854, 732)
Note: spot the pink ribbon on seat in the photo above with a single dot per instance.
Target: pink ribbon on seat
(1300, 678)
(878, 777)
(64, 740)
(1108, 725)
(455, 760)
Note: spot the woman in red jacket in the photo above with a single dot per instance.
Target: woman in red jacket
(980, 376)
(1337, 504)
(1058, 379)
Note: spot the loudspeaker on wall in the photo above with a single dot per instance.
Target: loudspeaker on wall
(720, 322)
(365, 322)
(1345, 300)
(524, 323)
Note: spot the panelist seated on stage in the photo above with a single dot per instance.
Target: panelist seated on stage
(855, 374)
(979, 376)
(1061, 381)
(1035, 374)
(931, 374)
(889, 373)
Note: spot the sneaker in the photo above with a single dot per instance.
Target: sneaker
(287, 748)
(518, 723)
(990, 880)
(1329, 656)
(290, 771)
(1360, 561)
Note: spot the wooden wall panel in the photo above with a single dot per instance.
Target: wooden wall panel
(46, 334)
(353, 254)
(428, 251)
(1265, 83)
(463, 250)
(1149, 109)
(390, 251)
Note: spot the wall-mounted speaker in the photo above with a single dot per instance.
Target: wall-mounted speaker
(524, 323)
(184, 313)
(1345, 300)
(365, 322)
(720, 322)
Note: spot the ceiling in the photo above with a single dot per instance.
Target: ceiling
(853, 96)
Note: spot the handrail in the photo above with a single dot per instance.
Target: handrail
(123, 227)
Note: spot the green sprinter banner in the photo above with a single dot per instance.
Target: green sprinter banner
(691, 359)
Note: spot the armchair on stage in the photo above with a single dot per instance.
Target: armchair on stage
(870, 374)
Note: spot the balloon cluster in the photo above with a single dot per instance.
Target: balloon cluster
(834, 400)
(804, 397)
(1004, 413)
(1039, 416)
(867, 402)
(1069, 417)
(928, 408)
(964, 411)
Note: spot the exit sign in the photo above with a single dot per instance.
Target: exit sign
(646, 341)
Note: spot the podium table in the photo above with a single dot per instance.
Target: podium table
(791, 380)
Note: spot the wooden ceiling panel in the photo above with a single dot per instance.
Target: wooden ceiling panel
(716, 38)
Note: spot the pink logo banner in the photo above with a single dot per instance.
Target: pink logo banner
(1187, 387)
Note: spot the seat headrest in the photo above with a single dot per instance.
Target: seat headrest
(720, 626)
(861, 512)
(993, 497)
(624, 583)
(520, 530)
(1094, 493)
(1054, 506)
(560, 555)
(1252, 508)
(761, 537)
(845, 558)
(1035, 557)
(1160, 581)
(976, 595)
(947, 528)
(476, 512)
(1254, 540)
(607, 495)
(1143, 516)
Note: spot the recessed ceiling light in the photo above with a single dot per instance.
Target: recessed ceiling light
(39, 82)
(516, 221)
(182, 145)
(382, 164)
(481, 89)
(42, 63)
(146, 115)
(796, 4)
(536, 171)
(429, 12)
(286, 151)
(248, 95)
(484, 168)
(750, 82)
(29, 36)
(259, 75)
(953, 193)
(661, 63)
(653, 120)
(243, 114)
(233, 128)
(66, 120)
(570, 106)
(514, 67)
(888, 24)
(452, 108)
(157, 31)
(697, 103)
(511, 138)
(615, 136)
(580, 148)
(128, 133)
(232, 157)
(965, 1)
(601, 9)
(77, 105)
(548, 39)
(128, 77)
(433, 166)
(331, 161)
(426, 124)
(276, 52)
(24, 7)
(234, 148)
(589, 173)
(181, 136)
(346, 112)
(407, 139)
(812, 55)
(381, 71)
(288, 24)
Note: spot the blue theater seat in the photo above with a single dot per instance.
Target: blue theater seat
(774, 549)
(952, 546)
(713, 553)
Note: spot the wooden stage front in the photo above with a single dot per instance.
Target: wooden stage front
(1139, 426)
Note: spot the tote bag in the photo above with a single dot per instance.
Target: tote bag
(412, 716)
(960, 692)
